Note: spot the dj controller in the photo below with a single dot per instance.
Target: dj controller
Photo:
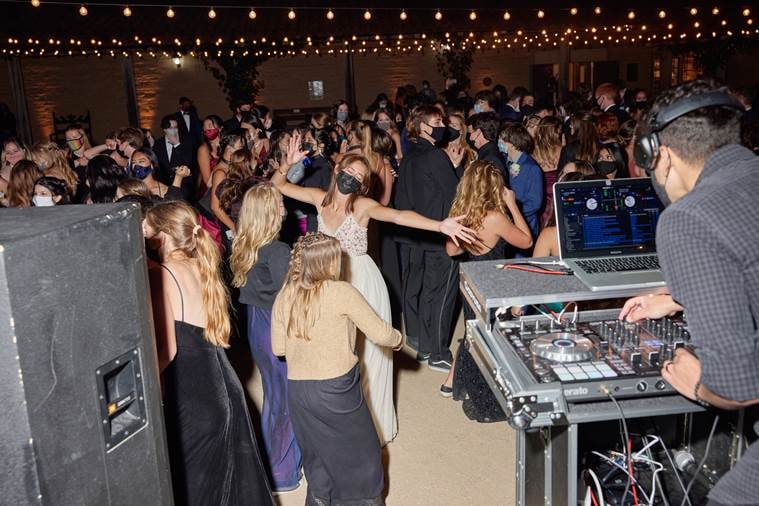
(541, 365)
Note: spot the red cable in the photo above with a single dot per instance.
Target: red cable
(536, 271)
(593, 498)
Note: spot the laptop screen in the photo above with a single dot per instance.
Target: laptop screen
(606, 217)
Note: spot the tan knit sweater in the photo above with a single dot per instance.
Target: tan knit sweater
(329, 352)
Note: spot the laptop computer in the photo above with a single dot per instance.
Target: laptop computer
(607, 232)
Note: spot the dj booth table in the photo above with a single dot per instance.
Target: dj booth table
(547, 418)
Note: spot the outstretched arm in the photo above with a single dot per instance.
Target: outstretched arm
(313, 196)
(450, 226)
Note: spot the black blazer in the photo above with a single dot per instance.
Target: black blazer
(490, 152)
(426, 184)
(195, 133)
(183, 154)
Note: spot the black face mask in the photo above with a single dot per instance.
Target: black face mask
(438, 132)
(606, 167)
(347, 184)
(451, 134)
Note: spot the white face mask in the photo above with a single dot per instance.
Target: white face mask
(43, 201)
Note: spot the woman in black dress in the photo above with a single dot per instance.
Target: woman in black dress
(214, 456)
(492, 211)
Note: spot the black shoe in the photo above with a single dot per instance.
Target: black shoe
(446, 391)
(422, 357)
(439, 365)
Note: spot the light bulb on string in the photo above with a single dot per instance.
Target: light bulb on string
(573, 11)
(438, 16)
(506, 16)
(662, 14)
(170, 13)
(597, 10)
(291, 14)
(715, 11)
(631, 15)
(746, 12)
(330, 15)
(693, 11)
(83, 10)
(472, 16)
(403, 16)
(541, 14)
(367, 15)
(212, 14)
(127, 11)
(35, 3)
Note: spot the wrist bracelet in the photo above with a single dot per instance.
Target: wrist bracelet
(699, 399)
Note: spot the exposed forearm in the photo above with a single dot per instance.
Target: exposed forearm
(519, 220)
(413, 219)
(223, 217)
(94, 151)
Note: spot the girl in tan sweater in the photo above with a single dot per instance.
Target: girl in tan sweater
(314, 322)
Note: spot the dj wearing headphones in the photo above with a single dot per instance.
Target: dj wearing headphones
(708, 245)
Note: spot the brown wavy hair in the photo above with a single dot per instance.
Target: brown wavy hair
(315, 259)
(479, 191)
(548, 143)
(21, 184)
(180, 221)
(51, 160)
(239, 169)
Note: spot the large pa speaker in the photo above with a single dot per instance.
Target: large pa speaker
(80, 401)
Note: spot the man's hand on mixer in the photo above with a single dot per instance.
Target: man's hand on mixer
(649, 306)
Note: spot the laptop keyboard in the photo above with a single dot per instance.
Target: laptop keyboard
(621, 264)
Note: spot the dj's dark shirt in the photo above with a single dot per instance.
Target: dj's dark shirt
(708, 246)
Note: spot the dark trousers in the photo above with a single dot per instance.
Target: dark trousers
(430, 291)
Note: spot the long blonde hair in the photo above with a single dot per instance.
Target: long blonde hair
(479, 191)
(548, 143)
(258, 225)
(51, 160)
(179, 221)
(315, 258)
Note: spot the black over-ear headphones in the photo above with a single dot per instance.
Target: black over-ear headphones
(646, 149)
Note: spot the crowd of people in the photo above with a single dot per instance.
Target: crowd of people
(347, 221)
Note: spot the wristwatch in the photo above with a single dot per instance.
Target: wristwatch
(699, 399)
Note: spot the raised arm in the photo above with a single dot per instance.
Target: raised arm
(450, 226)
(517, 233)
(313, 196)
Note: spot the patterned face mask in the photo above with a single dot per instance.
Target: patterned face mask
(75, 144)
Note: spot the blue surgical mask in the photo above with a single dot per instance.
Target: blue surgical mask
(477, 108)
(503, 149)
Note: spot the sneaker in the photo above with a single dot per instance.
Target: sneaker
(422, 357)
(439, 365)
(446, 391)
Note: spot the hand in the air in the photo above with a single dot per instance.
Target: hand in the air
(455, 230)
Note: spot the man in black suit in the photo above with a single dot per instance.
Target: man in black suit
(512, 110)
(233, 123)
(172, 152)
(483, 135)
(607, 98)
(188, 122)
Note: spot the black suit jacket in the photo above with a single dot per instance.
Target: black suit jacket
(195, 132)
(491, 153)
(183, 154)
(426, 184)
(620, 113)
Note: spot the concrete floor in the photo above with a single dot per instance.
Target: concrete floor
(440, 457)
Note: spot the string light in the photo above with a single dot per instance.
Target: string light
(693, 11)
(212, 13)
(170, 13)
(83, 10)
(472, 16)
(330, 15)
(438, 16)
(127, 11)
(662, 14)
(252, 14)
(291, 15)
(631, 15)
(506, 16)
(403, 16)
(35, 3)
(715, 11)
(367, 15)
(597, 10)
(746, 12)
(541, 14)
(573, 11)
